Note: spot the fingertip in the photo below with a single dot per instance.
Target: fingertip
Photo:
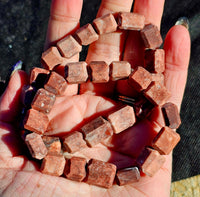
(10, 102)
(65, 8)
(151, 9)
(177, 48)
(108, 6)
(17, 80)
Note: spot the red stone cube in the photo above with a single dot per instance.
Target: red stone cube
(128, 176)
(76, 72)
(56, 84)
(105, 24)
(155, 60)
(101, 173)
(51, 58)
(140, 79)
(36, 145)
(36, 121)
(68, 46)
(99, 71)
(43, 101)
(120, 70)
(38, 75)
(158, 77)
(131, 21)
(151, 36)
(53, 144)
(171, 115)
(75, 169)
(122, 119)
(150, 161)
(96, 131)
(166, 140)
(74, 142)
(53, 164)
(142, 107)
(86, 35)
(157, 93)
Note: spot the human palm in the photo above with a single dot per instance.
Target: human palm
(21, 177)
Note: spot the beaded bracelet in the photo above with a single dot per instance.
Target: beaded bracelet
(46, 84)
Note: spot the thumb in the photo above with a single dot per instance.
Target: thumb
(10, 104)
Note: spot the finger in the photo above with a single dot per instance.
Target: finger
(151, 9)
(177, 50)
(64, 19)
(109, 46)
(10, 103)
(134, 48)
(177, 54)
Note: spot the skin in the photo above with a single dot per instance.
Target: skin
(21, 177)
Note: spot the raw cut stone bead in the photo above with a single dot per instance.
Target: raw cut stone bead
(105, 24)
(131, 21)
(101, 173)
(140, 78)
(122, 119)
(36, 121)
(74, 142)
(99, 71)
(75, 169)
(68, 46)
(76, 72)
(38, 76)
(150, 161)
(56, 84)
(27, 95)
(166, 140)
(86, 35)
(151, 36)
(53, 144)
(155, 60)
(53, 164)
(158, 77)
(142, 107)
(36, 145)
(96, 131)
(157, 93)
(51, 58)
(119, 70)
(43, 101)
(171, 115)
(128, 176)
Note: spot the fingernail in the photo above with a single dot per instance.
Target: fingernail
(12, 69)
(15, 67)
(183, 21)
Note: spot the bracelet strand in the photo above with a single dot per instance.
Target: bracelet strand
(148, 80)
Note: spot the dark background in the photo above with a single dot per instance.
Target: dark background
(23, 25)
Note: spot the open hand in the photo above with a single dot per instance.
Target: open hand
(21, 177)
